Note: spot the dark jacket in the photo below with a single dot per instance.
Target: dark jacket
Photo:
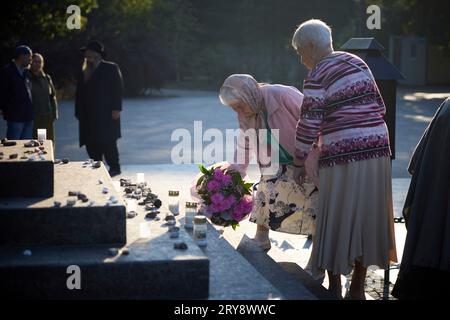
(427, 211)
(43, 92)
(15, 94)
(94, 102)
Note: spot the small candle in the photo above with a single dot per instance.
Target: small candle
(190, 213)
(144, 230)
(140, 177)
(42, 134)
(174, 202)
(131, 205)
(200, 230)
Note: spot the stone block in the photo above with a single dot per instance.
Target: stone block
(37, 222)
(23, 178)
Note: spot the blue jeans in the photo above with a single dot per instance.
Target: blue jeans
(19, 130)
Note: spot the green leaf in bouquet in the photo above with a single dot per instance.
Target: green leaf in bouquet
(234, 225)
(248, 185)
(203, 169)
(237, 180)
(199, 181)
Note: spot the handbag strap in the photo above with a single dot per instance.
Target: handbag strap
(285, 156)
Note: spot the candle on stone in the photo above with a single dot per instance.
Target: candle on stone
(174, 202)
(189, 214)
(42, 134)
(131, 205)
(200, 230)
(140, 177)
(144, 230)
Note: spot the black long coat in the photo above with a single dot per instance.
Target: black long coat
(425, 263)
(94, 102)
(15, 97)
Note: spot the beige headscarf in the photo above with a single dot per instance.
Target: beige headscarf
(243, 87)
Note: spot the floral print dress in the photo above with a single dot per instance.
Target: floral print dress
(280, 204)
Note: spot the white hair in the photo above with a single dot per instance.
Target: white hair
(313, 31)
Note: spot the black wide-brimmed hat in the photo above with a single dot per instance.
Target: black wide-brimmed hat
(95, 46)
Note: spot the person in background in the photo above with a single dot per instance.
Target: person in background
(15, 96)
(425, 268)
(98, 104)
(44, 98)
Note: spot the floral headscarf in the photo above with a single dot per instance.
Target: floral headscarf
(245, 88)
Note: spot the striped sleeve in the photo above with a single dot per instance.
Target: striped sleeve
(311, 117)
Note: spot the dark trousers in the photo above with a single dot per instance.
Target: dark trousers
(19, 130)
(108, 150)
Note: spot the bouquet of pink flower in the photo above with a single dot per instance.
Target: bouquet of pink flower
(225, 197)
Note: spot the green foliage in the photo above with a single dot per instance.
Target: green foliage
(203, 169)
(203, 41)
(38, 20)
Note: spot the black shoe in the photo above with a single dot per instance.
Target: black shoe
(114, 173)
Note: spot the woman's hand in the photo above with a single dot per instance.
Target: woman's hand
(299, 173)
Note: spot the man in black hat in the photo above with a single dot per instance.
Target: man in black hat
(15, 95)
(98, 104)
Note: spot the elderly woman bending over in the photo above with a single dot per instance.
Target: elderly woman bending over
(280, 200)
(344, 110)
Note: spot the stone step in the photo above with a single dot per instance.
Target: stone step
(302, 276)
(291, 287)
(36, 221)
(152, 269)
(23, 178)
(231, 276)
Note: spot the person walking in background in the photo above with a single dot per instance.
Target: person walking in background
(15, 96)
(98, 104)
(343, 109)
(44, 98)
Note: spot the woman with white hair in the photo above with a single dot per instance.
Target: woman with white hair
(280, 201)
(344, 110)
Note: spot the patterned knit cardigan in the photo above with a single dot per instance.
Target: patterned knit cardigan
(343, 111)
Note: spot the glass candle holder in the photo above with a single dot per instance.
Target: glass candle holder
(131, 205)
(140, 177)
(190, 212)
(200, 230)
(42, 134)
(174, 202)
